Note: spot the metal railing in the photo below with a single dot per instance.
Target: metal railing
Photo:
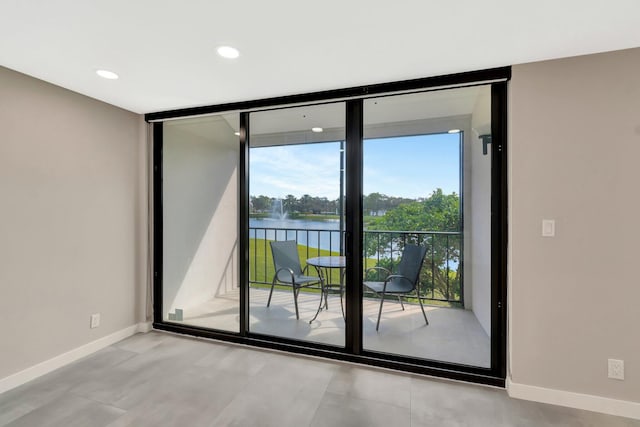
(441, 276)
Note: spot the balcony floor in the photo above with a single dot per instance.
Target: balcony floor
(453, 334)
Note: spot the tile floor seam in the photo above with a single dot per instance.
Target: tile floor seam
(363, 399)
(315, 412)
(94, 400)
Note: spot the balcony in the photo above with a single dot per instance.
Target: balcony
(454, 334)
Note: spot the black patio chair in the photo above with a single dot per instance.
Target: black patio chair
(288, 270)
(404, 281)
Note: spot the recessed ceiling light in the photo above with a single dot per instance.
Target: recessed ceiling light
(316, 130)
(454, 131)
(236, 133)
(106, 74)
(228, 52)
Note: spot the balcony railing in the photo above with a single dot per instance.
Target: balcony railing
(441, 276)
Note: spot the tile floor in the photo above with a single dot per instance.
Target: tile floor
(158, 379)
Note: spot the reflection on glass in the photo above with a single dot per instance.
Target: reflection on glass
(422, 158)
(296, 200)
(200, 222)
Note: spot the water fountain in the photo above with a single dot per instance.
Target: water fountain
(277, 209)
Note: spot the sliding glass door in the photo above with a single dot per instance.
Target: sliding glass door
(200, 285)
(369, 226)
(296, 223)
(427, 228)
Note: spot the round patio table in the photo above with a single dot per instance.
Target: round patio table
(324, 265)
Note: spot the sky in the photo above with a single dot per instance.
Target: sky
(411, 167)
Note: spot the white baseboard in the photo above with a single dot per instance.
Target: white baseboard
(588, 402)
(145, 327)
(33, 372)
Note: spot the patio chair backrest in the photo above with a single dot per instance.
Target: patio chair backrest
(411, 262)
(285, 255)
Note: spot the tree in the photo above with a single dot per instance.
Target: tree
(290, 203)
(373, 202)
(261, 203)
(436, 214)
(305, 203)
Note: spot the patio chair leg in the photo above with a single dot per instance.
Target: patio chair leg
(401, 304)
(295, 302)
(271, 292)
(421, 306)
(380, 311)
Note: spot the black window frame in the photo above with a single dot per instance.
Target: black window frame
(353, 351)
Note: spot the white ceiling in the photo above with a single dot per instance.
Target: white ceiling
(164, 50)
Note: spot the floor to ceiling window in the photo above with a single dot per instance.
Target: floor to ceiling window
(295, 200)
(371, 227)
(427, 185)
(200, 222)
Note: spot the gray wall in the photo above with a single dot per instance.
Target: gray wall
(574, 152)
(71, 220)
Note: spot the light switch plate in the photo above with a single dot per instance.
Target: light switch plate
(548, 228)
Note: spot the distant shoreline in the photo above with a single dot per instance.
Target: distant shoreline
(295, 215)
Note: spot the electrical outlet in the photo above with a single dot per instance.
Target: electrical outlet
(548, 228)
(95, 320)
(616, 369)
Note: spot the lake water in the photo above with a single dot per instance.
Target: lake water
(315, 234)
